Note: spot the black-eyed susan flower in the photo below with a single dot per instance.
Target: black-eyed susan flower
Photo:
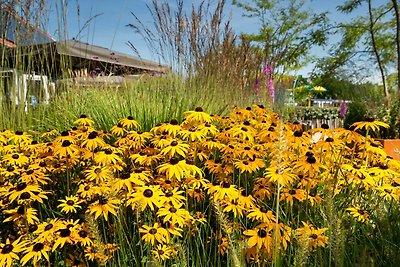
(249, 165)
(22, 213)
(174, 196)
(103, 206)
(118, 130)
(198, 115)
(70, 204)
(99, 174)
(369, 124)
(175, 148)
(313, 236)
(129, 123)
(259, 237)
(233, 206)
(281, 175)
(174, 214)
(308, 165)
(174, 169)
(36, 252)
(20, 138)
(262, 215)
(153, 234)
(146, 196)
(289, 195)
(162, 252)
(358, 213)
(66, 149)
(64, 236)
(193, 134)
(83, 235)
(84, 121)
(388, 192)
(9, 251)
(16, 159)
(93, 141)
(46, 231)
(224, 190)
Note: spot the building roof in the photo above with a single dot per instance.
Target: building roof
(74, 48)
(14, 29)
(75, 55)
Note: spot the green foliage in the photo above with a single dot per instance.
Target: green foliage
(287, 34)
(312, 113)
(357, 111)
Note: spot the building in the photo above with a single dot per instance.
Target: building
(31, 57)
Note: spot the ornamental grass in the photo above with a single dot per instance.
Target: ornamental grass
(243, 189)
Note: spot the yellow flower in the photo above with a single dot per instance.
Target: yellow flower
(174, 214)
(174, 148)
(153, 234)
(66, 149)
(36, 252)
(314, 237)
(103, 206)
(175, 168)
(69, 204)
(234, 206)
(9, 251)
(129, 123)
(369, 124)
(360, 214)
(99, 174)
(262, 215)
(22, 213)
(259, 237)
(280, 174)
(84, 121)
(93, 141)
(224, 190)
(146, 196)
(162, 252)
(198, 115)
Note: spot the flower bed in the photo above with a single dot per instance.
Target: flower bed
(209, 190)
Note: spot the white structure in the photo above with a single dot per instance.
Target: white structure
(24, 89)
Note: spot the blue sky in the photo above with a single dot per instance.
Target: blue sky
(110, 17)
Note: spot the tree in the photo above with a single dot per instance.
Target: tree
(287, 33)
(368, 37)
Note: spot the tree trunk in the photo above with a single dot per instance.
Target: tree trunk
(376, 52)
(397, 17)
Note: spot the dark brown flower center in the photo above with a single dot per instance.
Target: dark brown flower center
(298, 133)
(7, 249)
(262, 233)
(174, 160)
(65, 232)
(153, 231)
(103, 200)
(311, 160)
(314, 236)
(83, 233)
(70, 202)
(38, 247)
(21, 186)
(173, 210)
(148, 193)
(226, 184)
(15, 156)
(66, 143)
(25, 195)
(174, 143)
(48, 227)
